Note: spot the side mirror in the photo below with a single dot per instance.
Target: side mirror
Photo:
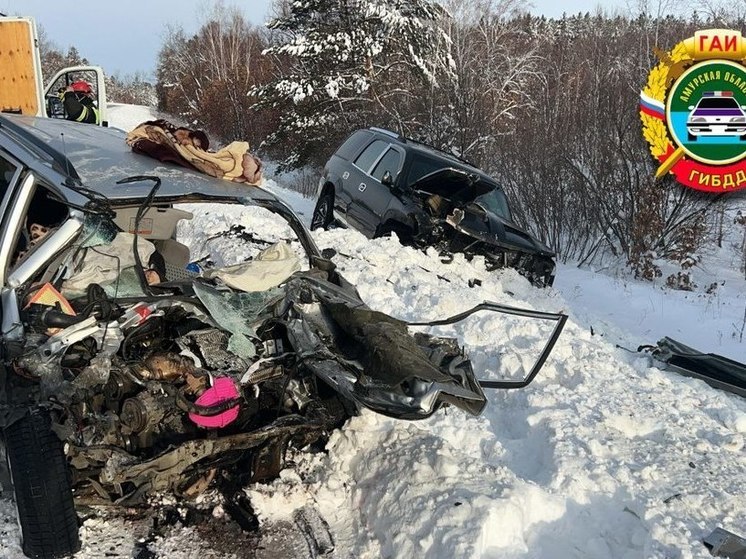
(54, 107)
(387, 179)
(690, 107)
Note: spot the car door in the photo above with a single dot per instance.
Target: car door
(359, 181)
(337, 170)
(379, 197)
(91, 74)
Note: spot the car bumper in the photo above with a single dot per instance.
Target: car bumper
(716, 129)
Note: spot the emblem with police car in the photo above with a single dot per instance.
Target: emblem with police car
(693, 111)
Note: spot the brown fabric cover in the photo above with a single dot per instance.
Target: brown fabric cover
(166, 142)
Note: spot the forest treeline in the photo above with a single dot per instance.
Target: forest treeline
(549, 107)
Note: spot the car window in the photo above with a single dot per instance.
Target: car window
(718, 103)
(43, 215)
(496, 202)
(422, 166)
(7, 170)
(353, 144)
(370, 154)
(389, 162)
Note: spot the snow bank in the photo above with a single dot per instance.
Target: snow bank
(602, 456)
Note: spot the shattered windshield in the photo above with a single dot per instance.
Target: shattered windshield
(244, 247)
(496, 202)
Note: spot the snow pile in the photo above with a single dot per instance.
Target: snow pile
(602, 456)
(127, 117)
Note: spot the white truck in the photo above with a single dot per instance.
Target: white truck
(22, 90)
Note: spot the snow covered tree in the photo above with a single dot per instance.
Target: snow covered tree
(497, 75)
(133, 89)
(350, 63)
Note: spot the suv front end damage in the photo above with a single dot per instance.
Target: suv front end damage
(462, 213)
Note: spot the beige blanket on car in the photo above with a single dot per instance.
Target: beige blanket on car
(166, 142)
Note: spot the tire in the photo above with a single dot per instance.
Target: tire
(41, 481)
(691, 137)
(402, 231)
(323, 213)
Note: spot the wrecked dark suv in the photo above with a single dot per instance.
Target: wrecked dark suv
(379, 182)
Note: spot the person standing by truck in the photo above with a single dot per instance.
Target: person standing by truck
(79, 103)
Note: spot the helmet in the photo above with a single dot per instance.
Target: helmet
(81, 86)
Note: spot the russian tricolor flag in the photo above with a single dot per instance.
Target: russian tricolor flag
(652, 107)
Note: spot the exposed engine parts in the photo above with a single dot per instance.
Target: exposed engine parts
(146, 377)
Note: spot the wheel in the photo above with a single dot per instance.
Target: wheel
(41, 481)
(402, 231)
(691, 137)
(539, 270)
(323, 213)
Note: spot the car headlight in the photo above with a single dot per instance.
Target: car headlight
(738, 119)
(696, 119)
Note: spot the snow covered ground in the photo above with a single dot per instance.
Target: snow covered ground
(603, 456)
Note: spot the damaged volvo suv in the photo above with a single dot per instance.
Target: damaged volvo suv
(379, 183)
(133, 364)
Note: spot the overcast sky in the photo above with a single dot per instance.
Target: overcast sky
(124, 36)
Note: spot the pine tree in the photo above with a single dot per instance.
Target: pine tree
(344, 64)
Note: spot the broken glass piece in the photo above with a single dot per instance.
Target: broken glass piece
(236, 313)
(97, 230)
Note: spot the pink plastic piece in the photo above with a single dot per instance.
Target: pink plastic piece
(223, 388)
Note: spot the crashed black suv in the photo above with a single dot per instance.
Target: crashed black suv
(133, 364)
(379, 182)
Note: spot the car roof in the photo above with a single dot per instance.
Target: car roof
(431, 152)
(99, 157)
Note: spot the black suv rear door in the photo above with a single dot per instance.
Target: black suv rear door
(370, 198)
(359, 181)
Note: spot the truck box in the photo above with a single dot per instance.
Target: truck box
(21, 86)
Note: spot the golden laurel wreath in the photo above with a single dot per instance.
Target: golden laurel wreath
(654, 129)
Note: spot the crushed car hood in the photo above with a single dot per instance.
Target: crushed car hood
(455, 184)
(471, 217)
(374, 360)
(482, 224)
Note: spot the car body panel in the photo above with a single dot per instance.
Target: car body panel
(101, 157)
